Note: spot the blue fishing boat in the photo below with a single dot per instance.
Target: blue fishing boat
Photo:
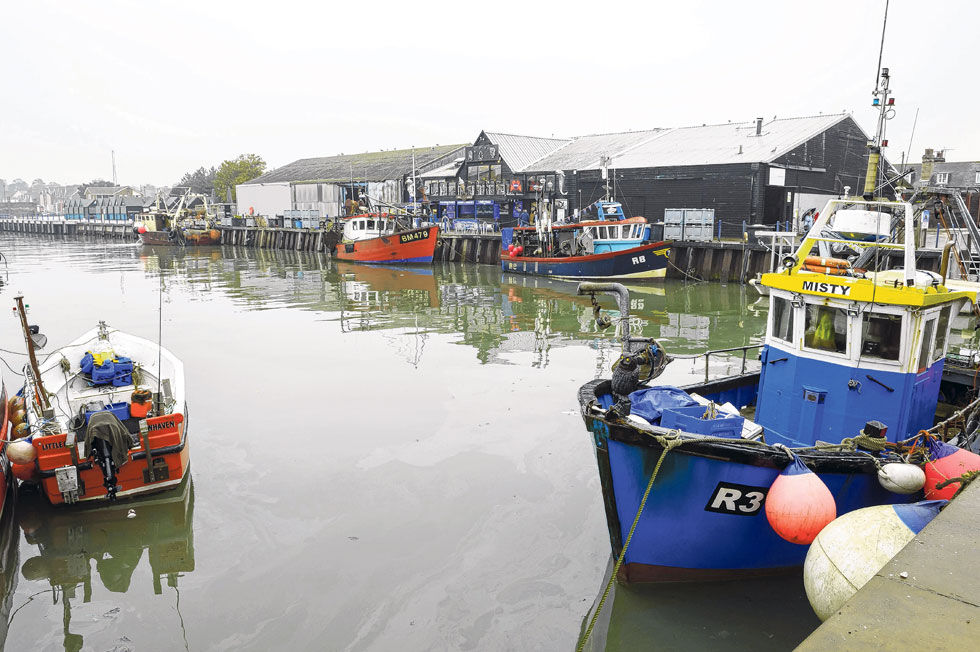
(608, 246)
(851, 367)
(850, 377)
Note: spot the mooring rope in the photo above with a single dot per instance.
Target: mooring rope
(667, 444)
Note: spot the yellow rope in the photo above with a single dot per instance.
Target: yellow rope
(668, 444)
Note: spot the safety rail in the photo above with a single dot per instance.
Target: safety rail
(468, 228)
(743, 349)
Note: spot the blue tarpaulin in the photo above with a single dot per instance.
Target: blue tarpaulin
(650, 402)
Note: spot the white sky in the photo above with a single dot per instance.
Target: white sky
(175, 85)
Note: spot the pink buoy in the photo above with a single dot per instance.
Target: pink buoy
(799, 504)
(511, 247)
(520, 249)
(141, 229)
(946, 461)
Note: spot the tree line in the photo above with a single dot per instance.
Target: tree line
(219, 180)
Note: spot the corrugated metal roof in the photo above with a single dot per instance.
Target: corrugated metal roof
(734, 142)
(583, 153)
(371, 166)
(519, 151)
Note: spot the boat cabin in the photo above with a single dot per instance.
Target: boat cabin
(846, 346)
(365, 227)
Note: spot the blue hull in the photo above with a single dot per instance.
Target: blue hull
(647, 261)
(705, 517)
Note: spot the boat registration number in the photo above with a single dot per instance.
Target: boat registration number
(740, 499)
(415, 235)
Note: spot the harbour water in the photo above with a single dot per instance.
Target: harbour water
(382, 459)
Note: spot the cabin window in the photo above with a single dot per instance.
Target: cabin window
(370, 225)
(927, 333)
(826, 329)
(881, 336)
(942, 327)
(357, 226)
(782, 319)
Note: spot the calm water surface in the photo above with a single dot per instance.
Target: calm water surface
(382, 459)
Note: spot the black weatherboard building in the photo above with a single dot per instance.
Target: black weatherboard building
(762, 172)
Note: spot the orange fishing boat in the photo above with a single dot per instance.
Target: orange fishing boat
(105, 417)
(379, 238)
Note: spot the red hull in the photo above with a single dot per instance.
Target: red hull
(415, 246)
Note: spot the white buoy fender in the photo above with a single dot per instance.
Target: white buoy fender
(848, 552)
(901, 478)
(21, 452)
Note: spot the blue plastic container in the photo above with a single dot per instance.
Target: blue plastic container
(689, 419)
(121, 410)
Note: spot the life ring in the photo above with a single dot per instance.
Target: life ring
(827, 262)
(825, 269)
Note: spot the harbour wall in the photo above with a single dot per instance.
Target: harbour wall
(721, 261)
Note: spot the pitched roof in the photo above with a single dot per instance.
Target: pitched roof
(962, 174)
(520, 151)
(105, 190)
(370, 166)
(584, 152)
(733, 142)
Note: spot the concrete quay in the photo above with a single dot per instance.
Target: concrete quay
(934, 606)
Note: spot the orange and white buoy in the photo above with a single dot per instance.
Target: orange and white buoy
(799, 504)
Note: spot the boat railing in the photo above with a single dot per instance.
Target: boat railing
(744, 350)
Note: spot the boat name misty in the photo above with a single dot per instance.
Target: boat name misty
(826, 288)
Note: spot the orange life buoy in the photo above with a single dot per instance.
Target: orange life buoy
(826, 262)
(824, 269)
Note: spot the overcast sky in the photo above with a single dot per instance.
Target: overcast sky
(176, 85)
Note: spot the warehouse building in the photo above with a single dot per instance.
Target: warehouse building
(325, 185)
(759, 172)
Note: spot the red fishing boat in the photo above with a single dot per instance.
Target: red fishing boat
(102, 417)
(379, 238)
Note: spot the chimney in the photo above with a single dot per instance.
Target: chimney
(758, 126)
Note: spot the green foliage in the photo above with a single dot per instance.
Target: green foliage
(231, 173)
(200, 181)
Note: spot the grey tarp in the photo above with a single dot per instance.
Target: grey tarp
(107, 426)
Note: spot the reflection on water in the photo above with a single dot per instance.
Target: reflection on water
(493, 312)
(67, 544)
(384, 458)
(9, 564)
(749, 615)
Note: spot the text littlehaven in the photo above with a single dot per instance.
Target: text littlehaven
(827, 288)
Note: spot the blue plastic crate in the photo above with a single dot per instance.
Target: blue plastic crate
(121, 410)
(689, 419)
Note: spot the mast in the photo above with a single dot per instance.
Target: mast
(415, 183)
(886, 110)
(41, 396)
